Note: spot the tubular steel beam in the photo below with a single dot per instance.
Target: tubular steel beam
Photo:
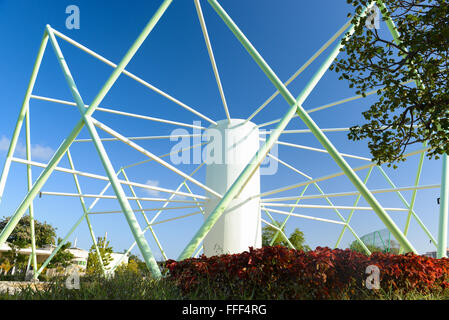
(313, 206)
(410, 206)
(83, 205)
(72, 229)
(132, 76)
(295, 106)
(144, 215)
(23, 111)
(301, 216)
(30, 184)
(288, 216)
(298, 146)
(104, 178)
(365, 248)
(444, 209)
(121, 113)
(302, 68)
(197, 203)
(211, 56)
(64, 240)
(330, 203)
(152, 209)
(135, 146)
(173, 195)
(332, 104)
(331, 176)
(274, 225)
(107, 165)
(77, 129)
(249, 170)
(354, 193)
(79, 195)
(356, 202)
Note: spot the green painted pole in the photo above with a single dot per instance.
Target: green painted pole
(336, 211)
(77, 129)
(144, 215)
(44, 265)
(356, 202)
(312, 125)
(396, 37)
(165, 204)
(122, 257)
(287, 217)
(135, 196)
(412, 201)
(107, 165)
(28, 264)
(195, 199)
(395, 34)
(404, 201)
(390, 24)
(72, 230)
(249, 170)
(279, 231)
(83, 205)
(295, 106)
(23, 111)
(362, 244)
(30, 184)
(444, 209)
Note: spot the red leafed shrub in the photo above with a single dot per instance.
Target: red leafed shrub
(412, 272)
(282, 273)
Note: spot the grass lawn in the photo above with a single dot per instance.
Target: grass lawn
(130, 286)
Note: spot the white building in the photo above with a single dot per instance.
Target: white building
(80, 256)
(41, 253)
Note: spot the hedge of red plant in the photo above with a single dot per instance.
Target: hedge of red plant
(282, 273)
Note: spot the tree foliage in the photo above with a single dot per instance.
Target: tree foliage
(296, 238)
(20, 237)
(406, 112)
(135, 265)
(393, 248)
(93, 263)
(45, 234)
(63, 257)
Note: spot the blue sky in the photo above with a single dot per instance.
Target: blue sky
(174, 58)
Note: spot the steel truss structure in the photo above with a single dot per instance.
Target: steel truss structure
(118, 179)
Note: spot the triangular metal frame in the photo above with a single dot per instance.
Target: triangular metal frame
(295, 109)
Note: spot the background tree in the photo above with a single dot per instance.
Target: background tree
(5, 266)
(298, 241)
(63, 257)
(135, 265)
(45, 234)
(141, 265)
(356, 246)
(404, 113)
(393, 248)
(296, 238)
(93, 263)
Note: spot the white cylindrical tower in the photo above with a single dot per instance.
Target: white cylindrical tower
(232, 145)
